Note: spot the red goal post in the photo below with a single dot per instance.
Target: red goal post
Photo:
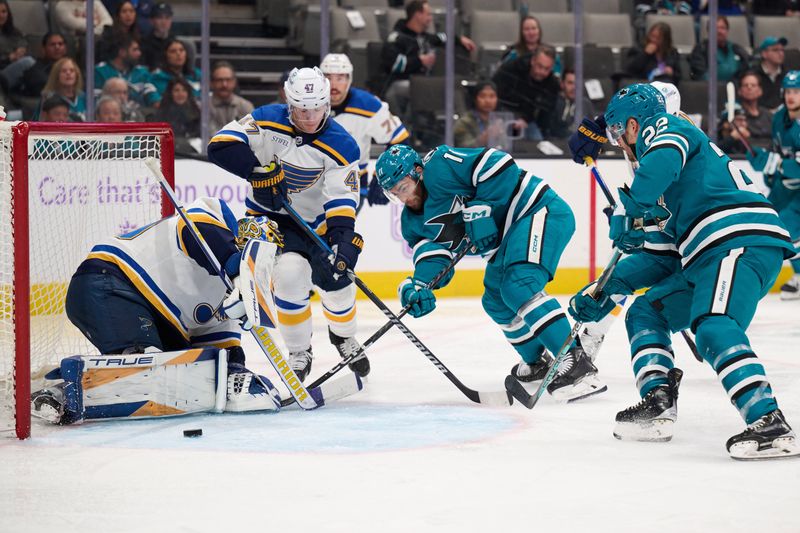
(63, 187)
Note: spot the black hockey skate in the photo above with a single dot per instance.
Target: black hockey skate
(301, 363)
(791, 289)
(535, 372)
(48, 404)
(769, 437)
(653, 418)
(347, 346)
(576, 378)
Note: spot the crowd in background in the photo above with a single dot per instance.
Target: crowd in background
(144, 72)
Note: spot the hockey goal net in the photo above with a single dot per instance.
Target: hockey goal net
(63, 187)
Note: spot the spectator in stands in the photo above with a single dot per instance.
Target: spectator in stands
(55, 109)
(70, 16)
(155, 42)
(770, 70)
(125, 65)
(477, 127)
(124, 24)
(179, 108)
(66, 81)
(108, 110)
(528, 87)
(779, 8)
(564, 116)
(729, 139)
(35, 78)
(225, 104)
(117, 88)
(143, 8)
(731, 58)
(175, 64)
(656, 59)
(409, 50)
(724, 7)
(759, 118)
(14, 58)
(656, 7)
(530, 36)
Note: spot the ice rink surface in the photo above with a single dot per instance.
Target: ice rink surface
(410, 453)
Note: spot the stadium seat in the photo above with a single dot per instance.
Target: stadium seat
(558, 29)
(30, 17)
(612, 30)
(426, 100)
(788, 27)
(694, 98)
(354, 41)
(683, 38)
(490, 31)
(361, 4)
(601, 6)
(387, 19)
(737, 33)
(598, 61)
(791, 60)
(545, 6)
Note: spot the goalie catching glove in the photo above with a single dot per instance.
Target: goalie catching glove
(480, 226)
(269, 185)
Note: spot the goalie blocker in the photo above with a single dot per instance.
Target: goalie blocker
(148, 385)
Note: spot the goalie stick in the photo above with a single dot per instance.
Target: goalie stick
(607, 193)
(307, 399)
(386, 327)
(485, 398)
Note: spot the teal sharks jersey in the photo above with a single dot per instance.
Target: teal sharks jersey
(713, 205)
(786, 135)
(454, 177)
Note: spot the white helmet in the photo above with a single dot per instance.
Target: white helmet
(308, 88)
(336, 64)
(671, 96)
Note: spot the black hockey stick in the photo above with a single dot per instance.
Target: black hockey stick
(487, 398)
(381, 332)
(513, 385)
(607, 193)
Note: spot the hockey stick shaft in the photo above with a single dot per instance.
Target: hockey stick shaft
(493, 398)
(382, 331)
(730, 111)
(260, 334)
(599, 179)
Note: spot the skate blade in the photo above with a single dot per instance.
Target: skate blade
(584, 388)
(749, 451)
(658, 430)
(790, 295)
(46, 412)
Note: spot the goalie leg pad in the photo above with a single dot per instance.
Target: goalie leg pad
(250, 392)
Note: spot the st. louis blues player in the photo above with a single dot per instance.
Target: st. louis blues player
(364, 116)
(296, 152)
(512, 218)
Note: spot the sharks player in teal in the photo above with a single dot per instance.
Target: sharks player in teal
(731, 245)
(516, 222)
(782, 170)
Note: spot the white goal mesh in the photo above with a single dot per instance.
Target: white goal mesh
(84, 182)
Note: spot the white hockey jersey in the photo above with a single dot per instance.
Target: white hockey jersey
(321, 169)
(368, 118)
(164, 264)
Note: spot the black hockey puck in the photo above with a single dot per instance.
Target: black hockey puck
(192, 432)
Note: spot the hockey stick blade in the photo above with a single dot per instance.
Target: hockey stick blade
(334, 390)
(518, 392)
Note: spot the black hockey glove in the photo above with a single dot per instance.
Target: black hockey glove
(269, 185)
(375, 194)
(346, 245)
(588, 139)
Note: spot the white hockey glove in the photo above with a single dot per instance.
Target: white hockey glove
(234, 307)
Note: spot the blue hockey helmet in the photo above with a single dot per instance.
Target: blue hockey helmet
(396, 163)
(639, 101)
(791, 80)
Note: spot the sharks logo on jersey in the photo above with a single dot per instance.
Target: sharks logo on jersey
(451, 233)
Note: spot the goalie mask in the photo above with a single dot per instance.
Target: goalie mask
(308, 94)
(261, 228)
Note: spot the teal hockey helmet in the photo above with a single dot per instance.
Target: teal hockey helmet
(791, 80)
(396, 163)
(639, 101)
